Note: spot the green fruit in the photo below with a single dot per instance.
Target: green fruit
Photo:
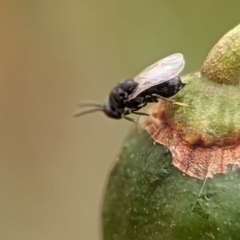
(179, 177)
(148, 198)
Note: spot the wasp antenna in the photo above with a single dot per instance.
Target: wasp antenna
(89, 104)
(87, 112)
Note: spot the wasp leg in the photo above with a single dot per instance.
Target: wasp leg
(170, 100)
(134, 111)
(141, 105)
(127, 112)
(129, 119)
(140, 113)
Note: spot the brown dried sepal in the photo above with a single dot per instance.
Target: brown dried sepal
(197, 160)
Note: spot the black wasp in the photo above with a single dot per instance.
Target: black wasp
(158, 81)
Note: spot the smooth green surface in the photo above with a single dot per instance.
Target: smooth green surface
(148, 198)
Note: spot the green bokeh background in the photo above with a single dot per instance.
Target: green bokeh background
(54, 53)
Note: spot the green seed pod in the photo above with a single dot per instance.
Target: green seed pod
(179, 178)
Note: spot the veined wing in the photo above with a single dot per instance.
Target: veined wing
(160, 72)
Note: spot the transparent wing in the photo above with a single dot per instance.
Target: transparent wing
(160, 72)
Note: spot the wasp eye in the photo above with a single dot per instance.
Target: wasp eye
(122, 94)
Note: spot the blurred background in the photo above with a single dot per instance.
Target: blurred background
(54, 53)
